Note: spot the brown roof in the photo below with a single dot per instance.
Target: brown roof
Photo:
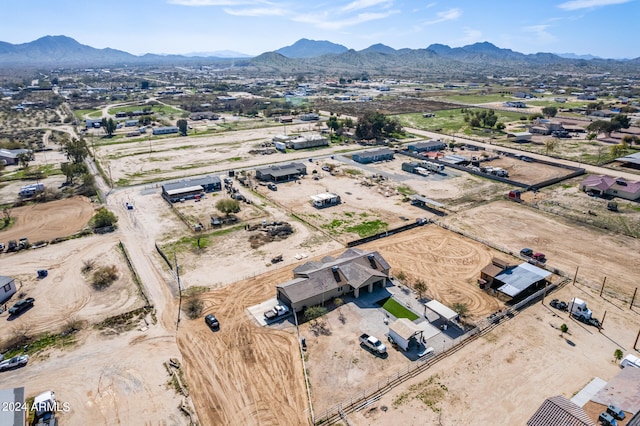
(559, 411)
(491, 270)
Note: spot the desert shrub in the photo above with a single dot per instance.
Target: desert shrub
(193, 307)
(104, 276)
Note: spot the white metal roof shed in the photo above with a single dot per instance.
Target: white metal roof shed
(445, 312)
(184, 190)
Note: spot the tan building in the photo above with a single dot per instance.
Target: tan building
(350, 273)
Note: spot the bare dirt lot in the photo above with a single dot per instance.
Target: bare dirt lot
(175, 157)
(567, 245)
(46, 221)
(245, 374)
(104, 371)
(529, 173)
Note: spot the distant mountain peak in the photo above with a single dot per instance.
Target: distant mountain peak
(305, 48)
(379, 48)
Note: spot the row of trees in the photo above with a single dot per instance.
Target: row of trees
(375, 125)
(485, 118)
(617, 122)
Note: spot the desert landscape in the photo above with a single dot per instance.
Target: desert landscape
(157, 296)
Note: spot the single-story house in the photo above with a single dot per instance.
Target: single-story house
(165, 130)
(559, 411)
(7, 288)
(366, 157)
(514, 104)
(203, 115)
(10, 156)
(190, 188)
(616, 187)
(432, 145)
(309, 116)
(281, 173)
(317, 282)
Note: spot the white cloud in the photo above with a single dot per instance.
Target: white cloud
(363, 4)
(445, 15)
(430, 5)
(321, 21)
(471, 36)
(587, 4)
(540, 33)
(257, 12)
(211, 2)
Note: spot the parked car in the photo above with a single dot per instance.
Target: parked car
(526, 252)
(616, 412)
(607, 419)
(559, 304)
(212, 321)
(15, 362)
(21, 306)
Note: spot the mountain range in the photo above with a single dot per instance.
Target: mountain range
(310, 56)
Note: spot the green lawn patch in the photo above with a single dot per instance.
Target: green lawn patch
(366, 229)
(396, 309)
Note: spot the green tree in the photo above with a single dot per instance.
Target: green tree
(144, 85)
(6, 216)
(338, 302)
(228, 206)
(617, 354)
(375, 125)
(109, 126)
(420, 287)
(461, 308)
(550, 111)
(24, 158)
(621, 120)
(602, 126)
(563, 329)
(500, 126)
(76, 150)
(103, 218)
(182, 126)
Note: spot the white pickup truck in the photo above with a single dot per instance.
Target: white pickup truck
(276, 312)
(373, 344)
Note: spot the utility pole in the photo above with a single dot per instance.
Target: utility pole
(575, 277)
(633, 298)
(602, 289)
(175, 260)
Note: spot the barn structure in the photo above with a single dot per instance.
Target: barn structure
(513, 281)
(307, 141)
(366, 157)
(281, 173)
(190, 188)
(350, 273)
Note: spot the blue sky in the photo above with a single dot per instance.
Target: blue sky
(606, 28)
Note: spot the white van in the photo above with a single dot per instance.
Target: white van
(630, 361)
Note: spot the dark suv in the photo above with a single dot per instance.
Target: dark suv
(212, 321)
(21, 306)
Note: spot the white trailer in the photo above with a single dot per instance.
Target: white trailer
(434, 167)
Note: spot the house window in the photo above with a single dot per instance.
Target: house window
(7, 288)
